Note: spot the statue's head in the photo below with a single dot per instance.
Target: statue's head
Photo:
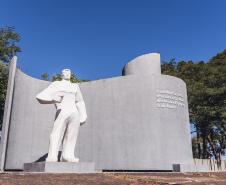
(66, 74)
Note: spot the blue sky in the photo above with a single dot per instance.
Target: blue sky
(96, 38)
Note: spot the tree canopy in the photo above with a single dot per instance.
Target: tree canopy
(74, 79)
(8, 48)
(206, 86)
(8, 40)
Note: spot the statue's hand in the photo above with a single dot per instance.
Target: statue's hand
(58, 97)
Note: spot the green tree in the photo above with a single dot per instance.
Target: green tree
(8, 40)
(206, 86)
(8, 48)
(3, 89)
(45, 76)
(74, 79)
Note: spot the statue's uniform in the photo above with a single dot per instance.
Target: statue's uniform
(71, 112)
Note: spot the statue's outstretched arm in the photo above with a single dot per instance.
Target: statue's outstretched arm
(48, 95)
(80, 104)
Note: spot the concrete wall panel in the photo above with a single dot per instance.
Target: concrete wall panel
(126, 129)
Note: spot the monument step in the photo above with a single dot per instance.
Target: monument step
(60, 167)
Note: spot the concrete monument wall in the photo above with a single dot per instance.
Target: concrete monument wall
(138, 121)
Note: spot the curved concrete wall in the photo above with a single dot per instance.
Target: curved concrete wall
(30, 122)
(143, 65)
(135, 122)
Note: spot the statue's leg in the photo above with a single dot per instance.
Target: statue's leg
(56, 137)
(71, 138)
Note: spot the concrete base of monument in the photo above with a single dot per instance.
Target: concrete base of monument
(60, 167)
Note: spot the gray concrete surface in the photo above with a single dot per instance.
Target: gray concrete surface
(7, 112)
(60, 167)
(204, 165)
(129, 127)
(144, 64)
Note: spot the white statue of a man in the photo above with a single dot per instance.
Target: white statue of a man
(71, 112)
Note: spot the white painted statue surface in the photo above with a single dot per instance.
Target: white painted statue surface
(70, 113)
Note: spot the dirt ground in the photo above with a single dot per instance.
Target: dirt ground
(21, 178)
